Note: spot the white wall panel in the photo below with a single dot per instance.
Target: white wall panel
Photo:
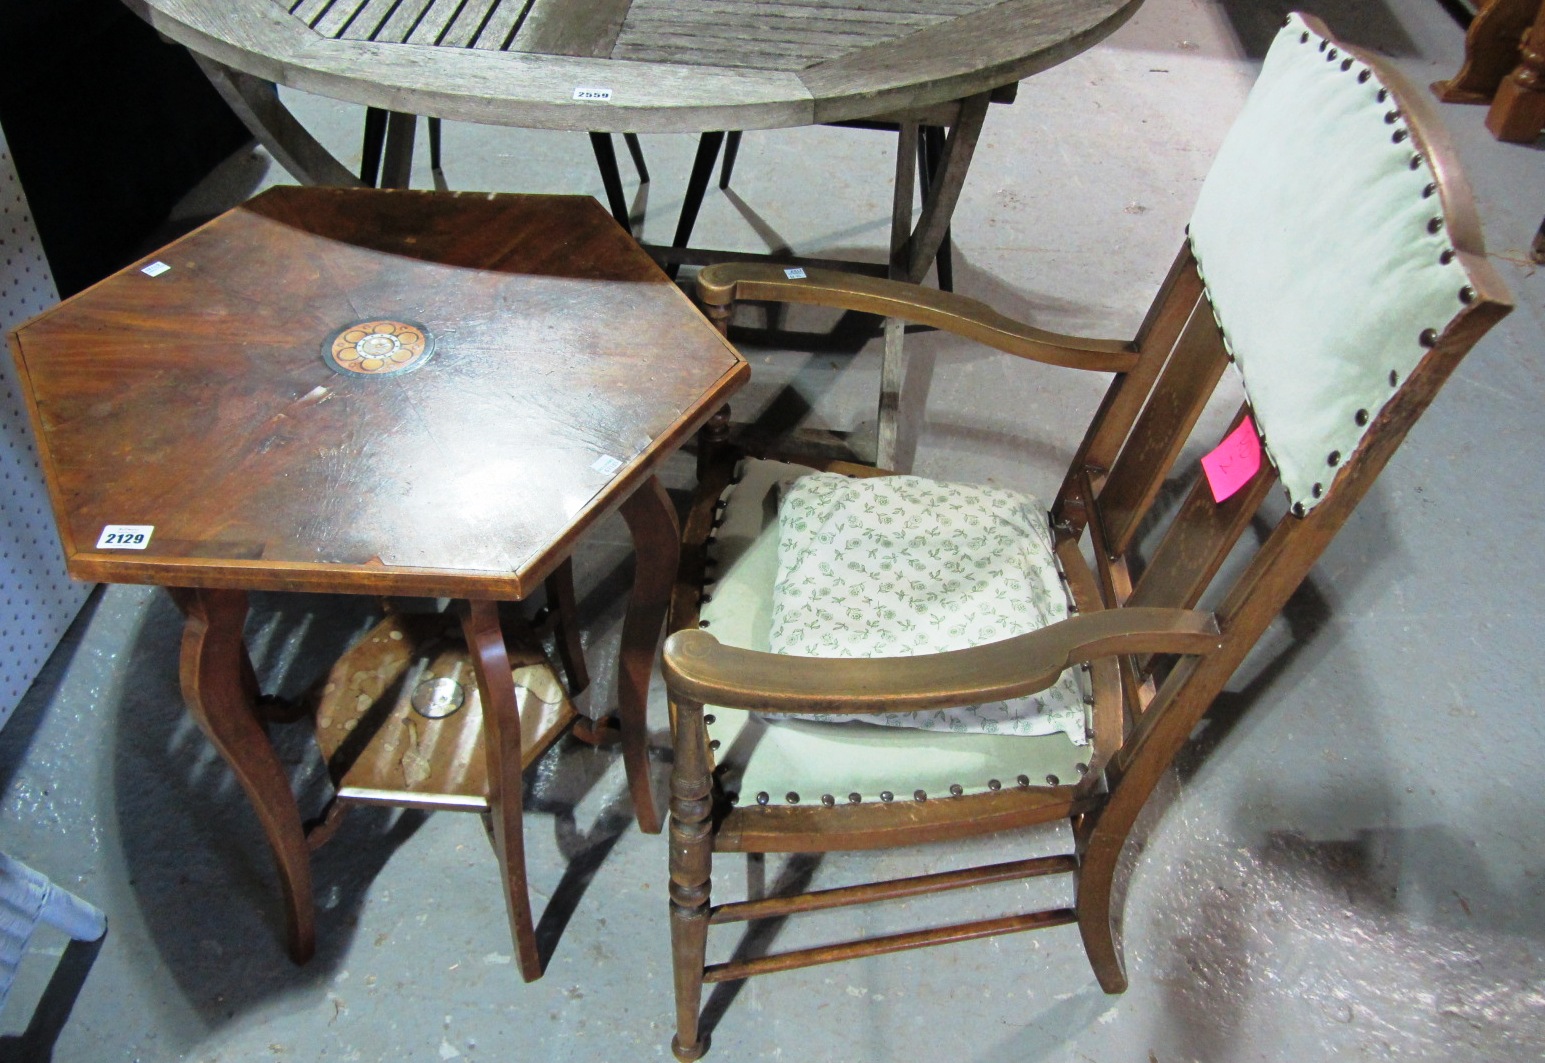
(37, 600)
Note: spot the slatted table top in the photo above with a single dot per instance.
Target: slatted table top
(362, 391)
(640, 65)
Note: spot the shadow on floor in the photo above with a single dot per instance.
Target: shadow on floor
(796, 877)
(197, 862)
(1357, 22)
(36, 1043)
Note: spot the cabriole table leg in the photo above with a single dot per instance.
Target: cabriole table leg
(220, 692)
(651, 520)
(502, 748)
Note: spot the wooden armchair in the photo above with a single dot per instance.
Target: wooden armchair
(1335, 259)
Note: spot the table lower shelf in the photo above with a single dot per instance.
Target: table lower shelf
(400, 721)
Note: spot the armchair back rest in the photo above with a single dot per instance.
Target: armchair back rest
(1321, 238)
(1335, 258)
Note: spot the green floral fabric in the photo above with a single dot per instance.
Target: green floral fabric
(896, 566)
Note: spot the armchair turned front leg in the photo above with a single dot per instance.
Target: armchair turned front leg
(710, 438)
(691, 865)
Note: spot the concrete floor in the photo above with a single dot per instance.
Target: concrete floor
(1346, 864)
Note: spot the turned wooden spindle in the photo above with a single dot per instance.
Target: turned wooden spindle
(1517, 111)
(1491, 51)
(691, 861)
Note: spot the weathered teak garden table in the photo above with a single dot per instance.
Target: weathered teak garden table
(645, 66)
(354, 391)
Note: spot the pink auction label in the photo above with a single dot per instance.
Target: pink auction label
(1233, 462)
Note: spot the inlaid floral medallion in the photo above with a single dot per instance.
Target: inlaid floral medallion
(378, 348)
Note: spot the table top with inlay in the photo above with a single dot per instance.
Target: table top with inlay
(639, 65)
(363, 391)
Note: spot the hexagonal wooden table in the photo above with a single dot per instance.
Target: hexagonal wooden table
(368, 392)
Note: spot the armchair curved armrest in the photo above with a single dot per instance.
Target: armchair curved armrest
(700, 668)
(724, 284)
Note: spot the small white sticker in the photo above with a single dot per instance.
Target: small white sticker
(125, 537)
(155, 269)
(592, 95)
(606, 465)
(795, 274)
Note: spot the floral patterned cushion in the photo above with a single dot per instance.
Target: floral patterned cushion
(902, 565)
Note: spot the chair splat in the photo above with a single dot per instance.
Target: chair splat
(1172, 308)
(1181, 393)
(1199, 537)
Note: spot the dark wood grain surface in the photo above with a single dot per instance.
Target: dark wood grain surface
(198, 401)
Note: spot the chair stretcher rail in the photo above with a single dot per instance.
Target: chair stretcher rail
(847, 950)
(819, 900)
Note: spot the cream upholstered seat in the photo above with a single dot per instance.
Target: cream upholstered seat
(1335, 258)
(764, 758)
